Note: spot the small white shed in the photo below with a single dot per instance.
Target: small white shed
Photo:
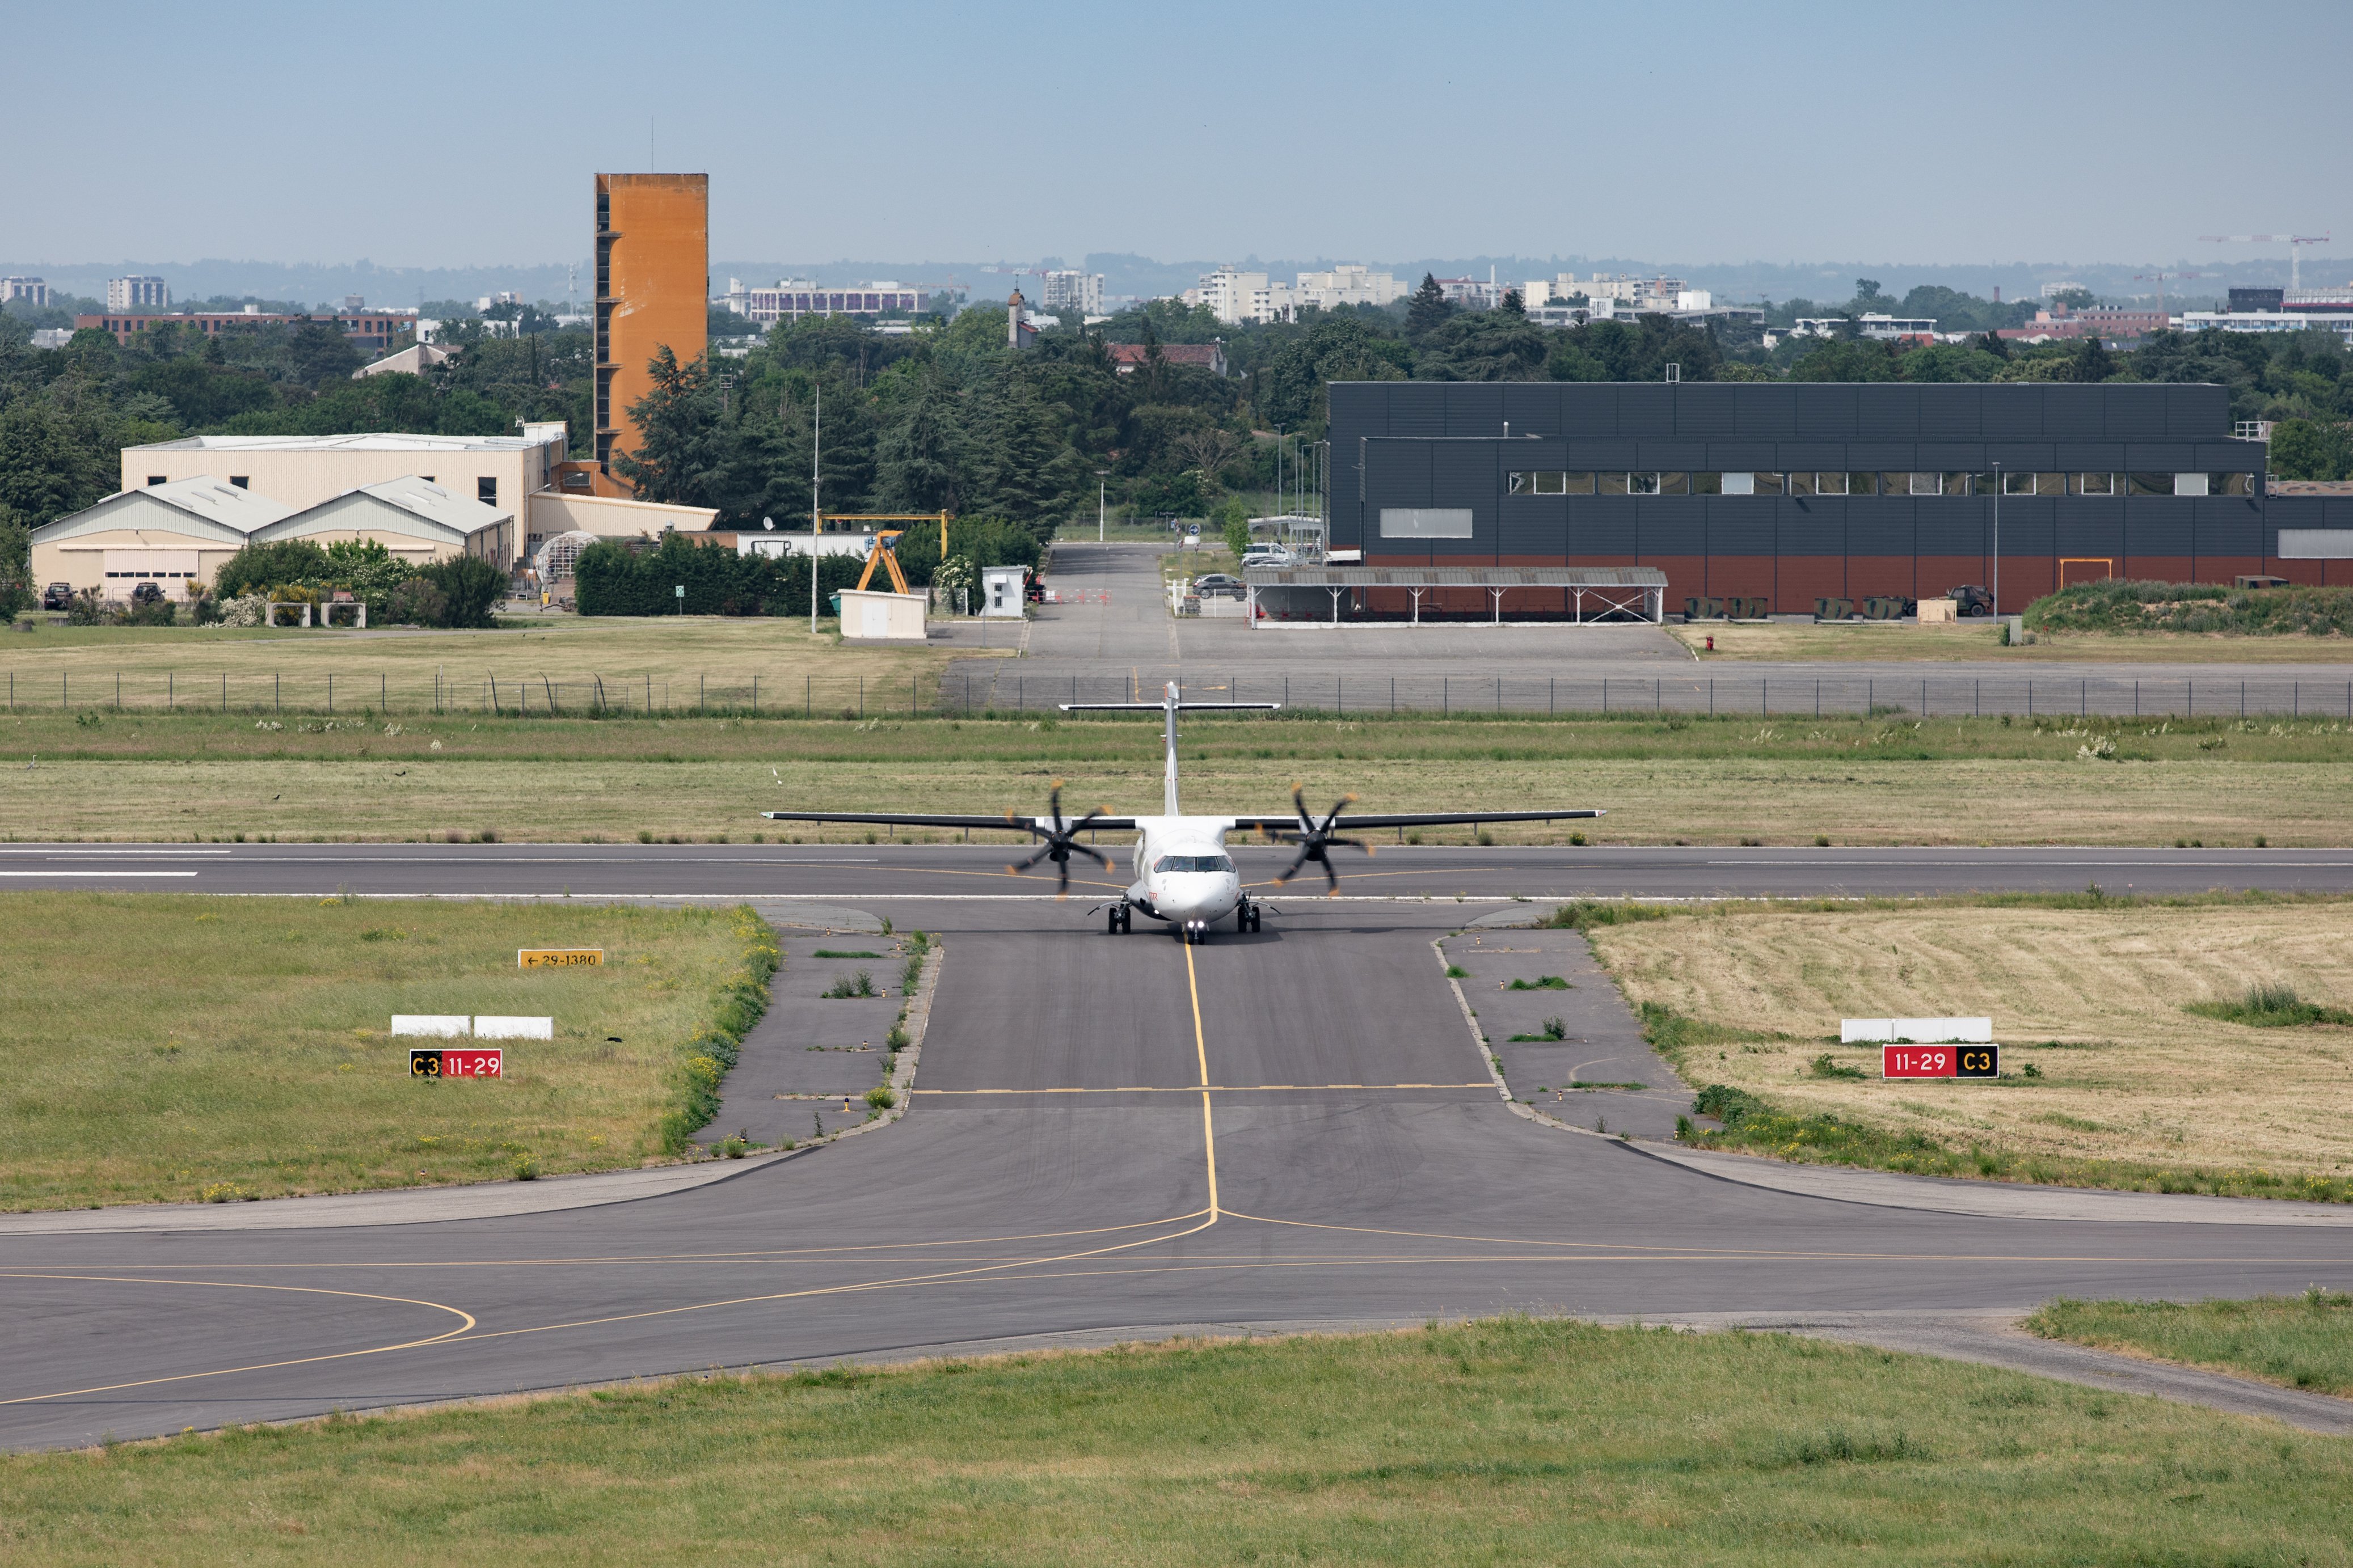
(1000, 590)
(882, 617)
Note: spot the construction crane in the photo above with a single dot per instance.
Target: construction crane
(885, 552)
(2293, 241)
(2159, 278)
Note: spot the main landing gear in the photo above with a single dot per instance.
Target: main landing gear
(1247, 916)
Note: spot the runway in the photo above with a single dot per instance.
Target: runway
(957, 873)
(1111, 1136)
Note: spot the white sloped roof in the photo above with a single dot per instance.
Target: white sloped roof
(408, 505)
(228, 511)
(380, 441)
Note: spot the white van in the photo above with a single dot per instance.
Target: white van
(1266, 552)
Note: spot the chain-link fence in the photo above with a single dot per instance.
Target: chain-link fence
(531, 695)
(1009, 686)
(1018, 689)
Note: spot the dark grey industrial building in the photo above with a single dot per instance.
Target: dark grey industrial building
(1790, 493)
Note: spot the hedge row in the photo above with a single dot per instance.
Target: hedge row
(2136, 607)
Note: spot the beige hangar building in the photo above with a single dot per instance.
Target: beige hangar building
(188, 505)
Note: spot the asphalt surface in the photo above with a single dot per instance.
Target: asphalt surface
(1114, 639)
(885, 875)
(1083, 1160)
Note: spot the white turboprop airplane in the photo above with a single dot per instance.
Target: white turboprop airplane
(1183, 875)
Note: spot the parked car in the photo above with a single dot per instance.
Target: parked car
(58, 597)
(1218, 584)
(1265, 553)
(1970, 600)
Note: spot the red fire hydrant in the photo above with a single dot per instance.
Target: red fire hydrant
(1711, 642)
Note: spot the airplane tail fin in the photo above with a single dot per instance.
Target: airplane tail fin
(1168, 786)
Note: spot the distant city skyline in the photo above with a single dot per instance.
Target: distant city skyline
(1997, 135)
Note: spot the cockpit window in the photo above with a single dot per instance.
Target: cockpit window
(1192, 863)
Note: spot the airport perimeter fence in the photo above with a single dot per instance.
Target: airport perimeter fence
(533, 695)
(1009, 688)
(1739, 696)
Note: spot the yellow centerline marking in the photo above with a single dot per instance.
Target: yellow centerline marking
(1201, 1056)
(259, 1366)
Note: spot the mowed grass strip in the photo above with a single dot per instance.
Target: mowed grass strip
(1501, 1441)
(2298, 1341)
(139, 775)
(1877, 642)
(169, 1047)
(2107, 1078)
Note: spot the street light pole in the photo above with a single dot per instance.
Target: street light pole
(1103, 482)
(816, 433)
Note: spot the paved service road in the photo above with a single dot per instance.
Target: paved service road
(1111, 1136)
(1114, 639)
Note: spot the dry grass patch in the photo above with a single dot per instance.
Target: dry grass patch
(2093, 1000)
(622, 662)
(1702, 801)
(164, 1049)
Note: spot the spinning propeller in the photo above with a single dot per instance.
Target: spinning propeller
(1061, 839)
(1315, 838)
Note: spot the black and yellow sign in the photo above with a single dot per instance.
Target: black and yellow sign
(559, 957)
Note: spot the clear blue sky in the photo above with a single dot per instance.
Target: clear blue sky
(440, 134)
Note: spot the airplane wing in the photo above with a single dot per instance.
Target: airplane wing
(1006, 823)
(1288, 821)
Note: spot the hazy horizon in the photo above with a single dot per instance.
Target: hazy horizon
(432, 136)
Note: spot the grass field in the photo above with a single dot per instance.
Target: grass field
(1878, 641)
(2107, 1079)
(569, 662)
(163, 1048)
(2298, 1341)
(1507, 1441)
(95, 774)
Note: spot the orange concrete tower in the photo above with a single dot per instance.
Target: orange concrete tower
(653, 282)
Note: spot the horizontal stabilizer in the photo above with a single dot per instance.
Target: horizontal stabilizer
(1160, 707)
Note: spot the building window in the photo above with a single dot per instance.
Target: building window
(1675, 484)
(1830, 484)
(1707, 484)
(2152, 484)
(153, 480)
(2189, 484)
(2230, 484)
(1740, 484)
(1553, 483)
(240, 480)
(1920, 485)
(1640, 484)
(486, 490)
(2093, 484)
(1969, 484)
(1425, 522)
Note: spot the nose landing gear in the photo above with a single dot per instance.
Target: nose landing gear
(1119, 919)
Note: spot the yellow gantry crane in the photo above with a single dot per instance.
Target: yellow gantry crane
(886, 551)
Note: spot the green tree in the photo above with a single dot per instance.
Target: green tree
(1848, 359)
(1866, 293)
(1428, 309)
(2307, 449)
(920, 459)
(681, 448)
(1026, 471)
(2075, 299)
(2093, 362)
(319, 352)
(470, 585)
(271, 565)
